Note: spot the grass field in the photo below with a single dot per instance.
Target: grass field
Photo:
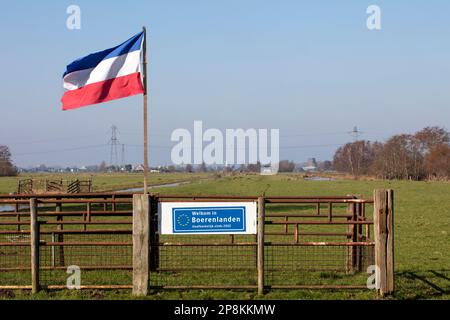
(422, 231)
(105, 181)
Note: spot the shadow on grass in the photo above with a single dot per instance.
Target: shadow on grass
(429, 284)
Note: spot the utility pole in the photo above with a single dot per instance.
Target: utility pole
(145, 109)
(355, 133)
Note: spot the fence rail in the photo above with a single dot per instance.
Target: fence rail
(304, 242)
(58, 186)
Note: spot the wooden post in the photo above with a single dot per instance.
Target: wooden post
(145, 109)
(383, 213)
(260, 245)
(113, 203)
(34, 230)
(141, 242)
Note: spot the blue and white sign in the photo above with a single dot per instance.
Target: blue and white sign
(208, 218)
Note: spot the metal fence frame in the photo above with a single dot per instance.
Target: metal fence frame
(34, 222)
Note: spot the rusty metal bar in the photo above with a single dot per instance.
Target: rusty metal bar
(212, 244)
(268, 243)
(303, 233)
(87, 268)
(321, 222)
(62, 287)
(204, 287)
(68, 213)
(318, 287)
(300, 215)
(74, 201)
(86, 243)
(93, 231)
(68, 222)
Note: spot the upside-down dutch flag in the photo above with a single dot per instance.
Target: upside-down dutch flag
(103, 76)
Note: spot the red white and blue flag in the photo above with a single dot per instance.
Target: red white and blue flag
(103, 76)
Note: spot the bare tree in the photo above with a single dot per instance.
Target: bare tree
(286, 166)
(355, 158)
(403, 156)
(102, 167)
(7, 167)
(430, 137)
(325, 165)
(400, 158)
(437, 162)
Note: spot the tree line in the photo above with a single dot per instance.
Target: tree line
(7, 167)
(419, 156)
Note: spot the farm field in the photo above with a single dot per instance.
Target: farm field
(422, 232)
(104, 181)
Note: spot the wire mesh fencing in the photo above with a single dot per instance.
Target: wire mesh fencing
(14, 259)
(90, 233)
(102, 259)
(323, 242)
(215, 262)
(308, 243)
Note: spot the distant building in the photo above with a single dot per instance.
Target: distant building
(138, 168)
(310, 165)
(267, 170)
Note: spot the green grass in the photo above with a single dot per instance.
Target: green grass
(422, 224)
(422, 236)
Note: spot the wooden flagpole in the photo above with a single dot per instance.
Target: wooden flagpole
(144, 78)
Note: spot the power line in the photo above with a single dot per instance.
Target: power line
(60, 150)
(281, 147)
(168, 135)
(53, 140)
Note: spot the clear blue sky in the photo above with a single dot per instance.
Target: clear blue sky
(310, 68)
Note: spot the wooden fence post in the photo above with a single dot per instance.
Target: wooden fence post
(260, 244)
(141, 241)
(383, 215)
(34, 235)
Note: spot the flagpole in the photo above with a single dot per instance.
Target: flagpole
(144, 78)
